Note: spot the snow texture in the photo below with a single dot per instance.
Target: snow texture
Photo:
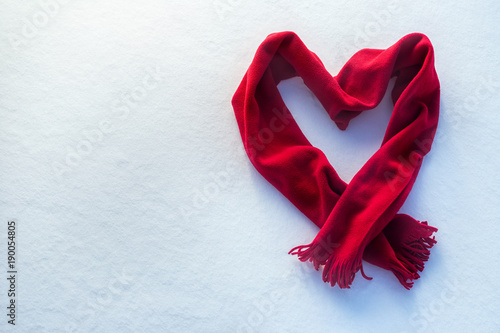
(138, 211)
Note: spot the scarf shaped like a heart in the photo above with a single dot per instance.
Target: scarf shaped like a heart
(358, 220)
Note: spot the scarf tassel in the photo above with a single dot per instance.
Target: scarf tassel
(404, 276)
(416, 250)
(336, 270)
(411, 255)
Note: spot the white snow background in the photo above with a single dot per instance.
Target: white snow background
(138, 211)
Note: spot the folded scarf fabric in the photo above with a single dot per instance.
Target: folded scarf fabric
(358, 220)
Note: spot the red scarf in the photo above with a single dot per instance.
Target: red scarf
(358, 220)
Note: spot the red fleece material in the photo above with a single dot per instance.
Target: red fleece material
(359, 220)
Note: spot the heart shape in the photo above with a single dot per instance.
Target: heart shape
(358, 220)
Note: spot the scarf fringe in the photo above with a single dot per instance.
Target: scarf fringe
(336, 270)
(416, 249)
(404, 276)
(413, 254)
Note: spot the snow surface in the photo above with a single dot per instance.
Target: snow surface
(138, 211)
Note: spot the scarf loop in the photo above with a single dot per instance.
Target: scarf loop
(360, 220)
